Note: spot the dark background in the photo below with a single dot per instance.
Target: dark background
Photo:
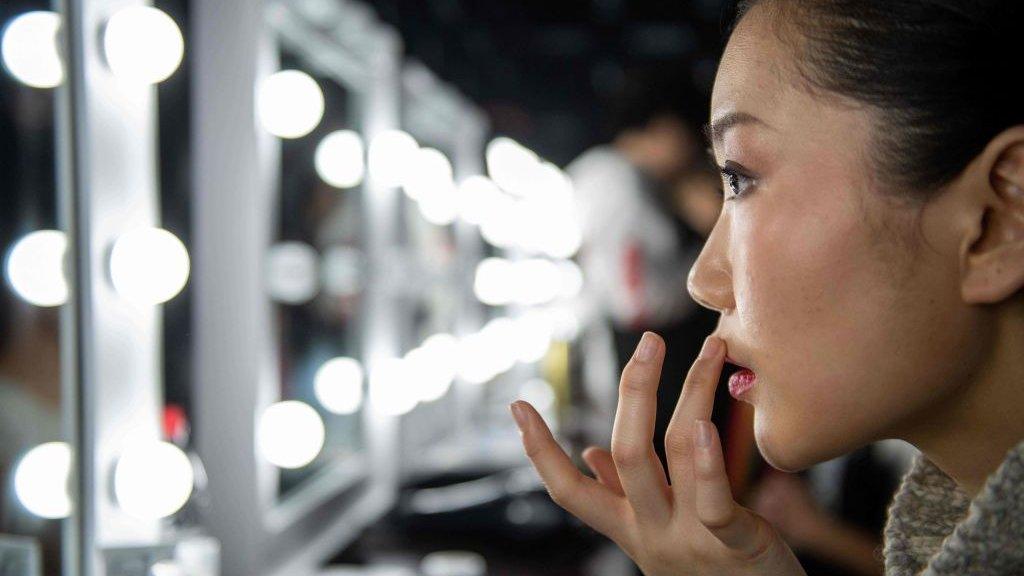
(560, 75)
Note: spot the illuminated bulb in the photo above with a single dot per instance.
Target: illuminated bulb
(565, 323)
(29, 49)
(338, 385)
(290, 434)
(342, 268)
(143, 45)
(41, 480)
(436, 362)
(477, 197)
(564, 242)
(501, 226)
(539, 393)
(391, 156)
(339, 159)
(533, 335)
(535, 281)
(475, 365)
(440, 206)
(570, 279)
(391, 390)
(430, 171)
(289, 104)
(494, 281)
(153, 480)
(35, 268)
(149, 266)
(511, 166)
(292, 275)
(552, 184)
(500, 335)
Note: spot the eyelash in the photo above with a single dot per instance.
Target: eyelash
(731, 175)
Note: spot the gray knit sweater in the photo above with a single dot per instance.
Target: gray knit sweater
(934, 529)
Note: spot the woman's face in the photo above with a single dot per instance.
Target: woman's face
(845, 303)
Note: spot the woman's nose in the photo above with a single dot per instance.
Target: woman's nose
(710, 279)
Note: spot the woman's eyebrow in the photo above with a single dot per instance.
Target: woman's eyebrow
(715, 131)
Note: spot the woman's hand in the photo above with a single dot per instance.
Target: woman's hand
(689, 527)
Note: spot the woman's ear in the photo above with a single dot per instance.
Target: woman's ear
(993, 261)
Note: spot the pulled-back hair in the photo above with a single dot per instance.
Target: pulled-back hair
(944, 76)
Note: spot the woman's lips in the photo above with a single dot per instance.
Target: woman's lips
(741, 382)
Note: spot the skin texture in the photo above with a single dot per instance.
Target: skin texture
(864, 317)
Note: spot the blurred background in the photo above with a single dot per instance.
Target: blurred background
(275, 269)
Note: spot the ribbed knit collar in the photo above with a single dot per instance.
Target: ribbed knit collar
(935, 529)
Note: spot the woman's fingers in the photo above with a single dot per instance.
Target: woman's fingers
(601, 464)
(734, 525)
(695, 402)
(640, 472)
(583, 497)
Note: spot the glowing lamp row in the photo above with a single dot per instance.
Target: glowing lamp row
(147, 266)
(151, 480)
(141, 44)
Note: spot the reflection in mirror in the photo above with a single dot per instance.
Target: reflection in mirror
(35, 462)
(314, 272)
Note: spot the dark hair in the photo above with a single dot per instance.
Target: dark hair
(942, 74)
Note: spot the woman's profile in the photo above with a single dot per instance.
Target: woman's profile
(868, 268)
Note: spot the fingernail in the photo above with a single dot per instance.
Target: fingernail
(711, 346)
(519, 414)
(703, 436)
(645, 351)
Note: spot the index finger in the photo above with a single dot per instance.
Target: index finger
(695, 403)
(582, 496)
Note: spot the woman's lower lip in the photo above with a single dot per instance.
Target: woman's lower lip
(741, 382)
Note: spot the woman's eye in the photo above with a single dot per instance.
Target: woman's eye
(737, 183)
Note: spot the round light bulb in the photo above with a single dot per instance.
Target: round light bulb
(41, 480)
(437, 363)
(477, 197)
(153, 479)
(290, 434)
(539, 393)
(512, 166)
(339, 159)
(292, 272)
(440, 207)
(391, 390)
(143, 44)
(35, 268)
(149, 266)
(500, 337)
(494, 281)
(391, 155)
(571, 279)
(535, 281)
(430, 172)
(475, 362)
(338, 385)
(289, 104)
(29, 49)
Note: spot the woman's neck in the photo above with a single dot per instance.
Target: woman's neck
(969, 435)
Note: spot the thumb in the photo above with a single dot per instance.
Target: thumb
(732, 524)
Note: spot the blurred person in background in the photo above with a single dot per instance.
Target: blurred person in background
(639, 241)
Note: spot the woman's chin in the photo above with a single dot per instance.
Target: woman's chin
(784, 448)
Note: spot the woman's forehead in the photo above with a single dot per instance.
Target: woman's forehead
(750, 76)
